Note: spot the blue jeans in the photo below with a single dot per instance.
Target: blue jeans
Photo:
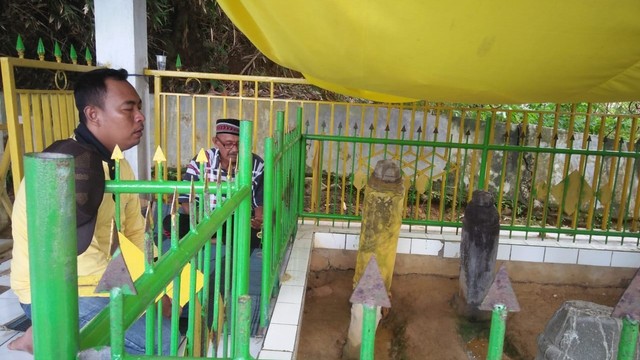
(134, 338)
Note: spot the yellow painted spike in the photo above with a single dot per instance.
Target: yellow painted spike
(159, 155)
(202, 157)
(117, 154)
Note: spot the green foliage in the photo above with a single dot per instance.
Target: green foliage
(198, 30)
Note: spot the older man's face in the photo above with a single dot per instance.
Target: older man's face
(228, 145)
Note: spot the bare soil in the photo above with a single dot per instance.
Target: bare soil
(422, 324)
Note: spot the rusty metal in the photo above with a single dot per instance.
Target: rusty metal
(629, 303)
(116, 275)
(500, 293)
(371, 290)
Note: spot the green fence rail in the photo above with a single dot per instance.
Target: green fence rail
(108, 327)
(282, 186)
(566, 185)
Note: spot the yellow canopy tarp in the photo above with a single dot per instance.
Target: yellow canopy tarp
(453, 51)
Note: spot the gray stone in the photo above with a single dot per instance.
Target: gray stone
(478, 253)
(581, 330)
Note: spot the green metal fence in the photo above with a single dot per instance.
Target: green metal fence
(194, 248)
(563, 174)
(284, 172)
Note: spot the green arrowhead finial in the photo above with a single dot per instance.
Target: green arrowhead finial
(73, 54)
(88, 57)
(178, 63)
(40, 50)
(57, 52)
(20, 47)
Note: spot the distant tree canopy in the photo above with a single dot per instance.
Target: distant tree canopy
(197, 30)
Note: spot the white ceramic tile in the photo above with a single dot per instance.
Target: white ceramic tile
(255, 345)
(302, 254)
(451, 249)
(594, 257)
(452, 237)
(291, 294)
(294, 278)
(298, 263)
(5, 265)
(352, 242)
(276, 355)
(439, 237)
(404, 246)
(285, 313)
(9, 309)
(329, 241)
(625, 259)
(561, 255)
(504, 252)
(9, 294)
(303, 243)
(527, 253)
(426, 247)
(280, 337)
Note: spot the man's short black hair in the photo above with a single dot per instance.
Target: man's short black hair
(91, 88)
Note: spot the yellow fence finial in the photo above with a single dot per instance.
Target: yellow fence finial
(117, 154)
(202, 156)
(158, 156)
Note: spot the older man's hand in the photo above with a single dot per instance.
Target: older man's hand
(256, 220)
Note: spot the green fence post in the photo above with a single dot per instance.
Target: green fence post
(496, 335)
(369, 323)
(628, 339)
(279, 221)
(267, 232)
(485, 154)
(244, 328)
(51, 214)
(243, 214)
(116, 315)
(300, 157)
(302, 142)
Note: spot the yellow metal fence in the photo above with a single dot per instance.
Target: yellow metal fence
(563, 167)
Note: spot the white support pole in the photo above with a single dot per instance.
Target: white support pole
(121, 42)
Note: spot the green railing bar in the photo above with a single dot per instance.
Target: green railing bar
(369, 323)
(502, 227)
(167, 267)
(50, 199)
(496, 334)
(533, 191)
(430, 188)
(615, 186)
(153, 187)
(244, 330)
(243, 239)
(116, 315)
(584, 171)
(267, 242)
(628, 339)
(491, 147)
(302, 163)
(595, 205)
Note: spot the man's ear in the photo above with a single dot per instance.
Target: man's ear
(91, 114)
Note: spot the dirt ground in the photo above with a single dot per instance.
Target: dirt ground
(423, 325)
